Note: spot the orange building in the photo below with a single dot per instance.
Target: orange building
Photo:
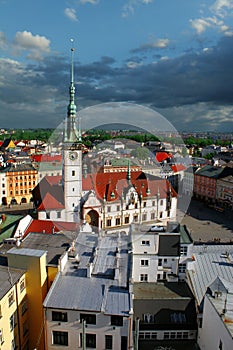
(20, 179)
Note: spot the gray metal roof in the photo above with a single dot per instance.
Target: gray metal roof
(8, 277)
(103, 291)
(211, 261)
(87, 294)
(26, 251)
(54, 244)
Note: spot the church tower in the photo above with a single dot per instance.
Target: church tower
(72, 157)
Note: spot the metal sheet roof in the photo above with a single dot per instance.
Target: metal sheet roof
(210, 262)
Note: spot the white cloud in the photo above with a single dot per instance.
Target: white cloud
(156, 44)
(199, 25)
(129, 7)
(220, 7)
(133, 64)
(71, 13)
(35, 45)
(93, 2)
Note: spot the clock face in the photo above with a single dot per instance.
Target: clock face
(73, 155)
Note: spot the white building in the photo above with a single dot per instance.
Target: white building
(90, 298)
(210, 277)
(160, 253)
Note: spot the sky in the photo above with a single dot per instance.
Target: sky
(172, 56)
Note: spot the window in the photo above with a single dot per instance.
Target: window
(126, 219)
(144, 262)
(135, 218)
(12, 322)
(109, 222)
(152, 216)
(182, 268)
(59, 316)
(22, 285)
(58, 215)
(60, 338)
(108, 341)
(118, 208)
(24, 307)
(108, 209)
(161, 215)
(144, 204)
(124, 342)
(118, 221)
(146, 243)
(144, 217)
(161, 202)
(183, 251)
(90, 340)
(11, 298)
(143, 277)
(148, 318)
(116, 321)
(47, 215)
(1, 336)
(25, 327)
(73, 172)
(89, 318)
(153, 203)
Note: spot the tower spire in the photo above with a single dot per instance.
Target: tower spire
(71, 133)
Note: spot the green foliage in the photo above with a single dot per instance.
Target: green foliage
(28, 134)
(140, 153)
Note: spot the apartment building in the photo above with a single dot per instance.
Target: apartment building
(17, 183)
(90, 301)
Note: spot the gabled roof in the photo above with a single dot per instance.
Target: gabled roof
(49, 203)
(49, 227)
(113, 185)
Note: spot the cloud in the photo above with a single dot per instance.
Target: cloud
(129, 7)
(92, 2)
(192, 91)
(2, 40)
(221, 7)
(156, 44)
(71, 13)
(35, 45)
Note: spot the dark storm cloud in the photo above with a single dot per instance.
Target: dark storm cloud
(42, 89)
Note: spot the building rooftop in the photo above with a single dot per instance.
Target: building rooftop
(89, 281)
(54, 244)
(8, 277)
(8, 225)
(26, 252)
(210, 261)
(154, 290)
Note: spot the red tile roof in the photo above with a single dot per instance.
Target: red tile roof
(113, 185)
(49, 227)
(178, 167)
(161, 156)
(49, 203)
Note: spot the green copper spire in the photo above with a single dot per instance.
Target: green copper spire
(71, 134)
(129, 172)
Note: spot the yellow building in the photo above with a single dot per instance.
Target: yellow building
(13, 309)
(34, 263)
